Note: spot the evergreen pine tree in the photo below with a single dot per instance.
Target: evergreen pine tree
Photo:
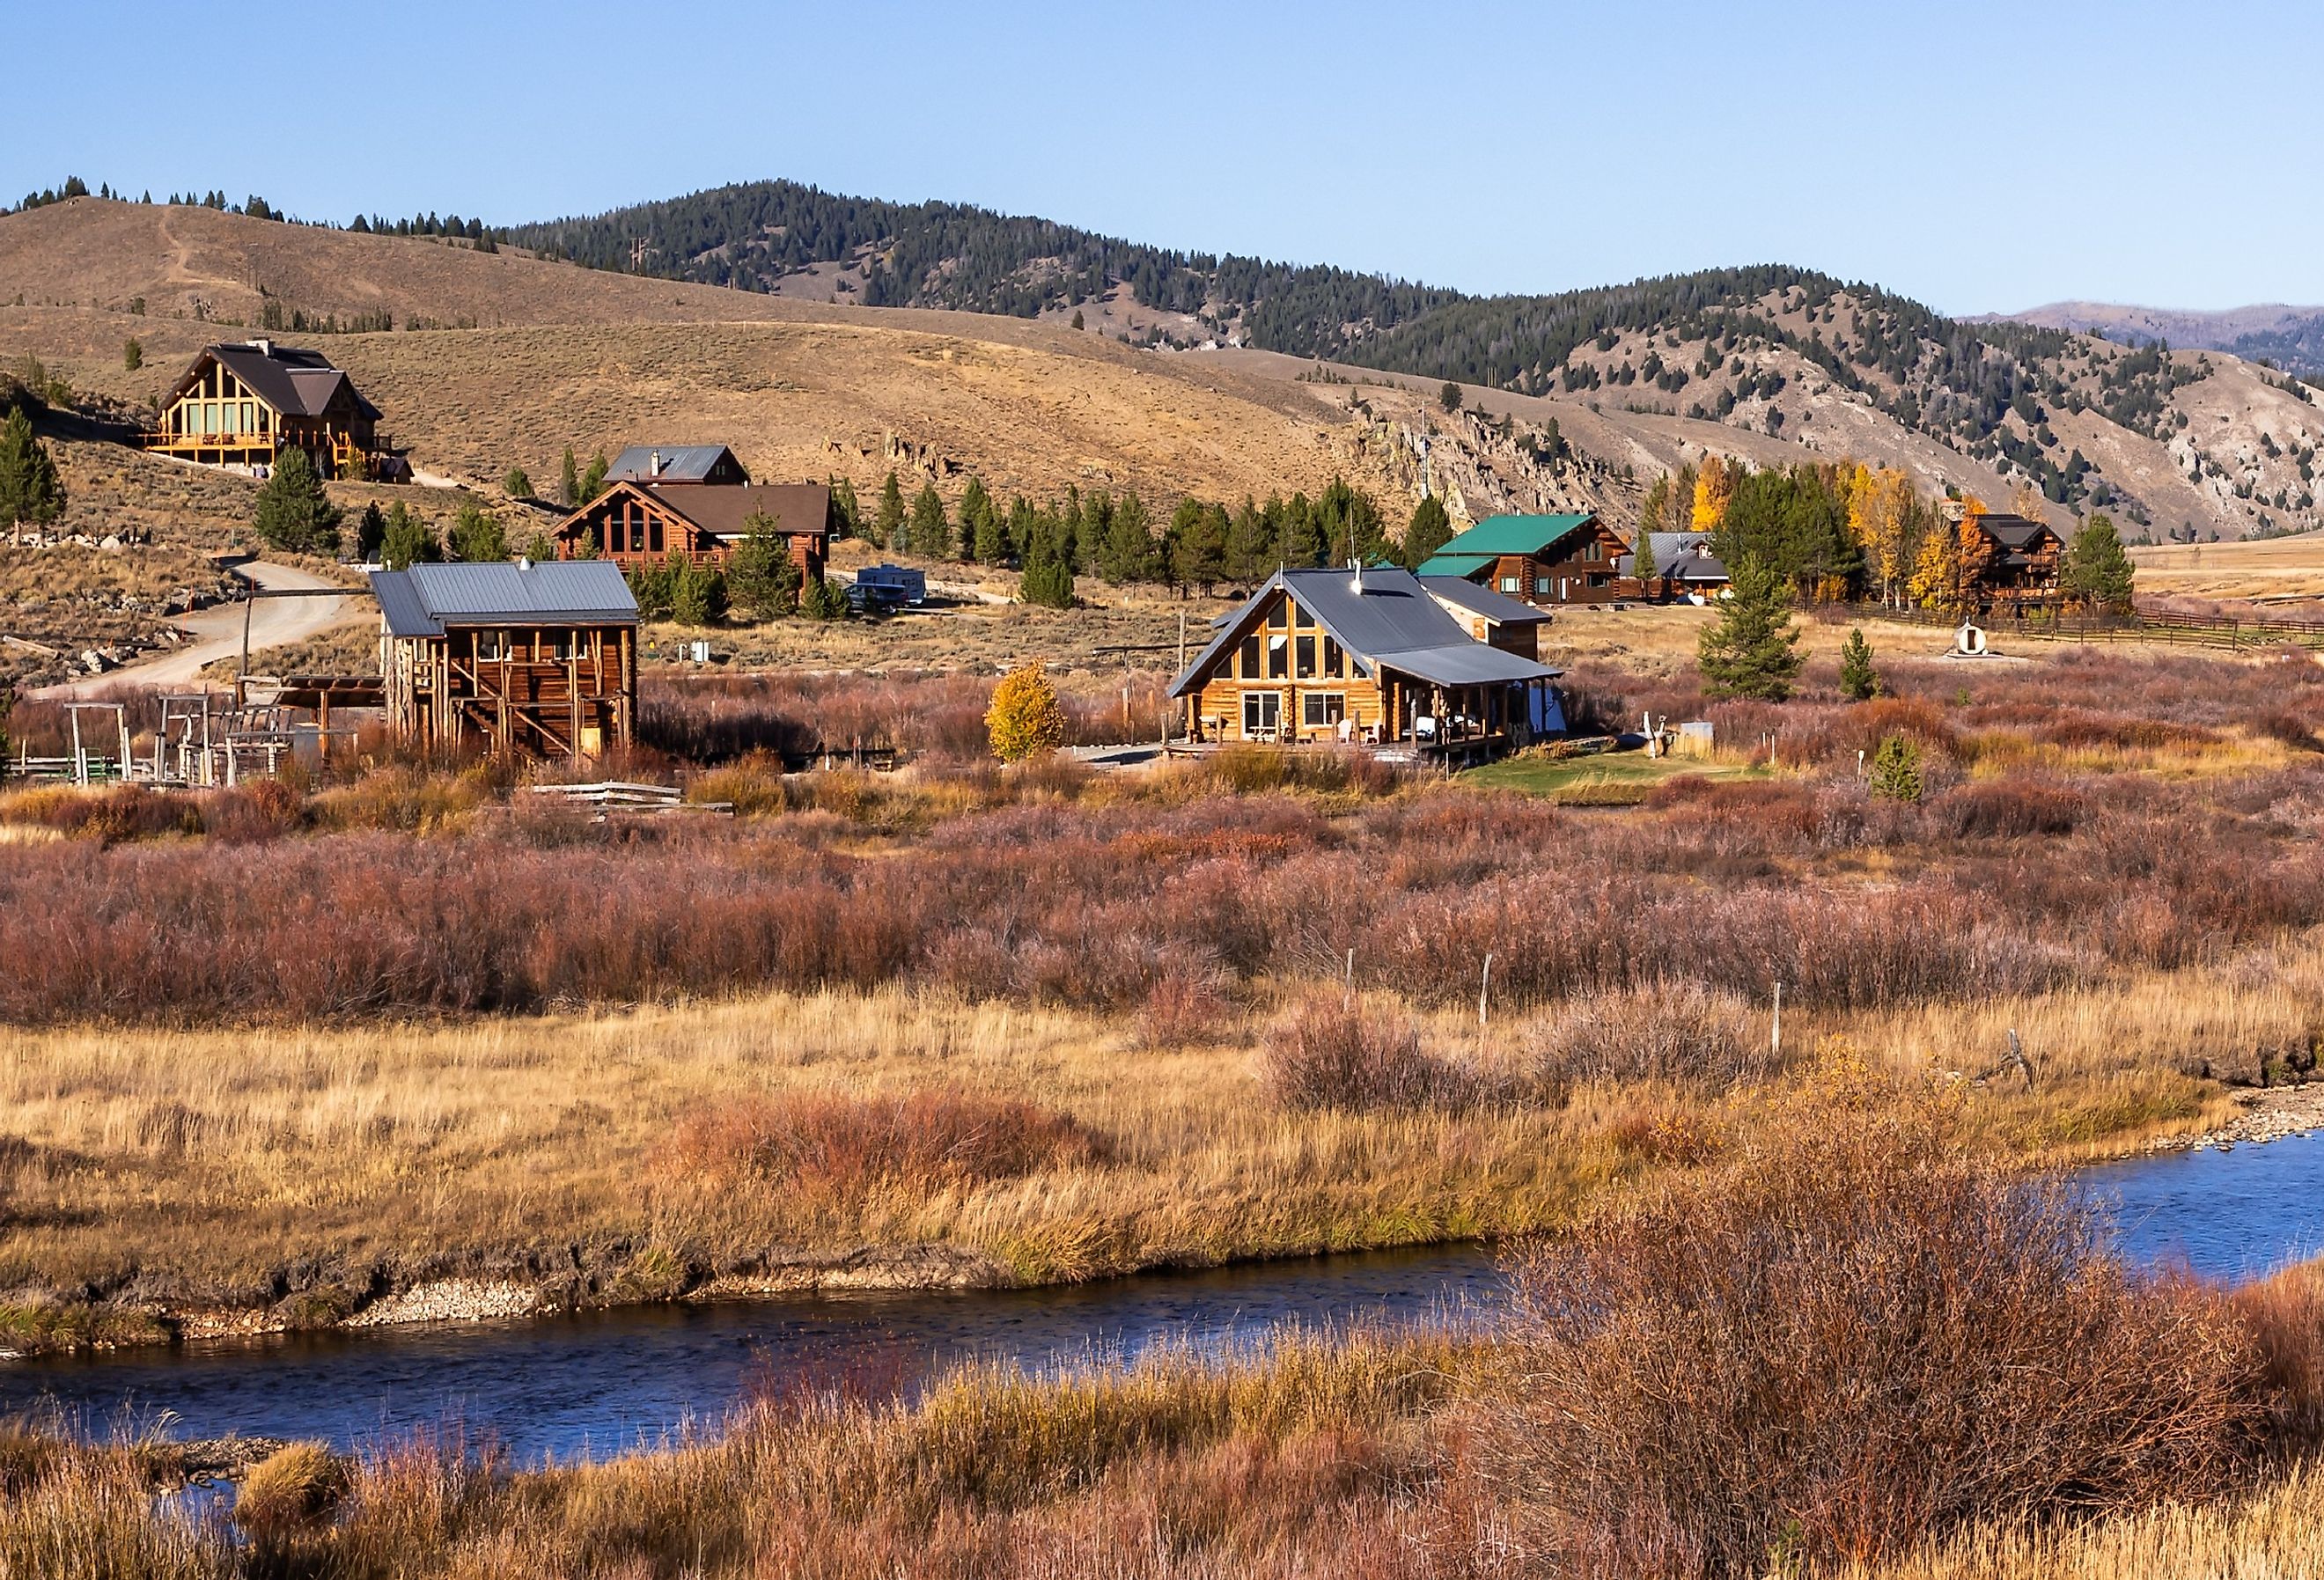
(2097, 572)
(1048, 580)
(1300, 545)
(1753, 651)
(1644, 563)
(931, 533)
(293, 513)
(975, 509)
(1128, 553)
(991, 544)
(1249, 550)
(29, 490)
(406, 539)
(476, 536)
(516, 484)
(133, 354)
(697, 594)
(371, 534)
(819, 600)
(846, 515)
(762, 576)
(568, 483)
(1198, 544)
(1895, 771)
(888, 529)
(593, 481)
(1857, 682)
(1430, 529)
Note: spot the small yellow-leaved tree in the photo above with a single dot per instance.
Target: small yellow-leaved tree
(1024, 719)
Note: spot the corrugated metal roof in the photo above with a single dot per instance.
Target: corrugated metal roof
(426, 598)
(1465, 663)
(1393, 622)
(1680, 556)
(1462, 564)
(1498, 607)
(1515, 535)
(680, 463)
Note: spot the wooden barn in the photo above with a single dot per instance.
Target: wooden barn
(636, 523)
(2013, 560)
(535, 659)
(245, 404)
(1536, 559)
(1365, 656)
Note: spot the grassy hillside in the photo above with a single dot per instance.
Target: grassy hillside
(1769, 364)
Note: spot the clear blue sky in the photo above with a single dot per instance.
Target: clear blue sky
(1980, 157)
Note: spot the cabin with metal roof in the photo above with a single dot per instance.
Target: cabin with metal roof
(638, 523)
(1493, 618)
(1536, 559)
(245, 404)
(535, 659)
(1362, 656)
(1683, 567)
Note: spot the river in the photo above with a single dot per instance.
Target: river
(598, 1383)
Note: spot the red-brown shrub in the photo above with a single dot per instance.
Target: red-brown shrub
(1853, 1339)
(2008, 809)
(843, 1146)
(1327, 1054)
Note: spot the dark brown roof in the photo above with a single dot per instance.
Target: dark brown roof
(2015, 532)
(799, 509)
(295, 382)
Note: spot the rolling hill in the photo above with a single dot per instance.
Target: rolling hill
(2292, 337)
(1287, 376)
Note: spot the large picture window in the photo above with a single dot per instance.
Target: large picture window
(1278, 658)
(1323, 709)
(1304, 655)
(1246, 659)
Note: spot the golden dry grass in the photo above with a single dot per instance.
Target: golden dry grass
(221, 1155)
(2277, 1533)
(212, 1159)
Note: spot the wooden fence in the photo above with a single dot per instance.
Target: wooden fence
(2215, 631)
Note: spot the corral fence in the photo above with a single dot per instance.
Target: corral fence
(2215, 631)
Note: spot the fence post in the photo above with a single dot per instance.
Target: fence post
(1775, 1031)
(1483, 988)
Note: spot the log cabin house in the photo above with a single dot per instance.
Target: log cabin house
(2014, 561)
(1536, 559)
(1685, 568)
(1362, 655)
(538, 661)
(636, 523)
(1493, 618)
(245, 404)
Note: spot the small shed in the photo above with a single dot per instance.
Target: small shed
(539, 660)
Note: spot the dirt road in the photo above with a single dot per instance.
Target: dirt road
(218, 633)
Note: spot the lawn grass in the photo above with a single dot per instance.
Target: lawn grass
(1610, 779)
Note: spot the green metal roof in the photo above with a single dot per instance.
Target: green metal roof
(1514, 535)
(1455, 564)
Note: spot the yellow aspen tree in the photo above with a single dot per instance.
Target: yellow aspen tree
(1025, 719)
(1715, 485)
(1893, 504)
(1863, 505)
(1937, 574)
(2026, 500)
